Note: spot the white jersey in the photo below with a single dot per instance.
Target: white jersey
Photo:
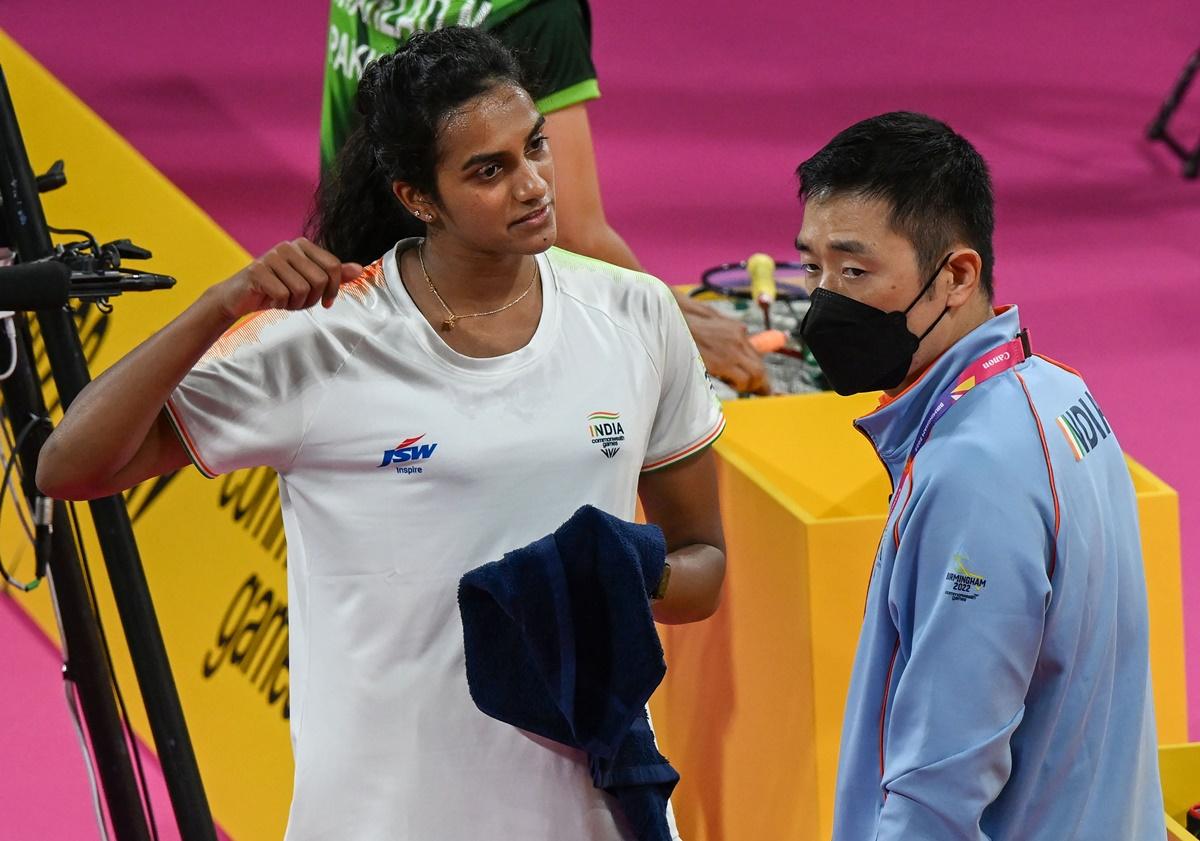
(403, 465)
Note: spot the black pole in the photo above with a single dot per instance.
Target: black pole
(1158, 129)
(85, 663)
(31, 240)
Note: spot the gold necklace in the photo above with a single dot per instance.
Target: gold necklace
(451, 318)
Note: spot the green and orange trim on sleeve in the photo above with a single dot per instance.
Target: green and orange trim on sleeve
(687, 452)
(189, 445)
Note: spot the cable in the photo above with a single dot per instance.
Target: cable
(78, 232)
(69, 684)
(18, 498)
(137, 754)
(71, 690)
(12, 344)
(21, 436)
(73, 707)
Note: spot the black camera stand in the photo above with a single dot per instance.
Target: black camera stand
(95, 276)
(1158, 129)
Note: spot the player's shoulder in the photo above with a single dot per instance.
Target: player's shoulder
(618, 292)
(365, 296)
(359, 304)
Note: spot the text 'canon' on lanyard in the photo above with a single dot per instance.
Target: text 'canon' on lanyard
(996, 361)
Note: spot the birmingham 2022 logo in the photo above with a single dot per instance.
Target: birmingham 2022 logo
(405, 453)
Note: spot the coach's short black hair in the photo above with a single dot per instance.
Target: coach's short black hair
(935, 182)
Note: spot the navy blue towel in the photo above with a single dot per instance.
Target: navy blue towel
(560, 641)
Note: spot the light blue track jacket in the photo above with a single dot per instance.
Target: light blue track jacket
(1001, 688)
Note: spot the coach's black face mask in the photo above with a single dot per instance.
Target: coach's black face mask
(860, 347)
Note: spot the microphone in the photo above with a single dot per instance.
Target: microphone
(48, 284)
(34, 286)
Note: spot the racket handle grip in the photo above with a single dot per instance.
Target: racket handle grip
(769, 341)
(761, 269)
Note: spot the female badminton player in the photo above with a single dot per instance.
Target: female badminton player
(457, 398)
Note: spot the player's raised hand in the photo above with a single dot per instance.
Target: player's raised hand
(293, 275)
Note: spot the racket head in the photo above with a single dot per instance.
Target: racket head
(732, 280)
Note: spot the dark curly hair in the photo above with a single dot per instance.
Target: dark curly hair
(402, 98)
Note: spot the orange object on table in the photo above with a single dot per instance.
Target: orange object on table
(769, 341)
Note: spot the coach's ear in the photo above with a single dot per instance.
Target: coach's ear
(965, 277)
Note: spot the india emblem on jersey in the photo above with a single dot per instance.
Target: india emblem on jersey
(1084, 426)
(606, 432)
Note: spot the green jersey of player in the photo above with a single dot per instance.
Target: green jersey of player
(556, 32)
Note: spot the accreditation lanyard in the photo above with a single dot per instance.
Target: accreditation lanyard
(996, 361)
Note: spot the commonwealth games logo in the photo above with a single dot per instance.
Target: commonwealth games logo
(606, 432)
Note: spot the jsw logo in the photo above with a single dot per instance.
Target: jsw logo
(408, 451)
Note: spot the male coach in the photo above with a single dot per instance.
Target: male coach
(1001, 688)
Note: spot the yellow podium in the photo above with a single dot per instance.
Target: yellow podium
(1179, 766)
(751, 709)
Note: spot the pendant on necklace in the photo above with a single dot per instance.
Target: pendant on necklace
(448, 324)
